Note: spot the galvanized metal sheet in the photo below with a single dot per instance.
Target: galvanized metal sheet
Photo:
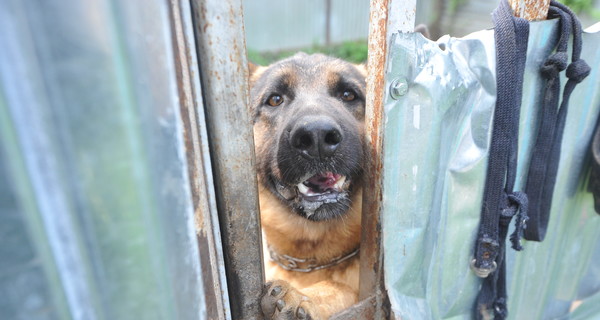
(289, 25)
(438, 117)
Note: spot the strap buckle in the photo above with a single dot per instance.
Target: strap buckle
(483, 272)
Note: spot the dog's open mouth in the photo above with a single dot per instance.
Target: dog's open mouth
(323, 187)
(322, 196)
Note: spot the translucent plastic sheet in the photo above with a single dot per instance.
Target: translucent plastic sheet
(436, 141)
(96, 215)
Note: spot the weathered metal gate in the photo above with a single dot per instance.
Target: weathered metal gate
(436, 118)
(128, 189)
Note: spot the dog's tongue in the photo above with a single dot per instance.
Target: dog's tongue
(324, 180)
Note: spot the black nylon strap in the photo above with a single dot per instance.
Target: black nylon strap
(543, 167)
(594, 184)
(500, 202)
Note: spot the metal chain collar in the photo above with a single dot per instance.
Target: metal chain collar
(306, 265)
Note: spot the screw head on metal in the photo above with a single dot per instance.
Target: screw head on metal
(398, 88)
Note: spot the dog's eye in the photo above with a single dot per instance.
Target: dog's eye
(348, 95)
(275, 100)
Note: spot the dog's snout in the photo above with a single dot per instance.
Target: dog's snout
(316, 138)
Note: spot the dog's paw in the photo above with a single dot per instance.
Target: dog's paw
(280, 301)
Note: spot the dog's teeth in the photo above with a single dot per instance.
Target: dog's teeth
(340, 183)
(302, 188)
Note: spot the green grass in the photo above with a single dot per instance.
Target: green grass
(353, 51)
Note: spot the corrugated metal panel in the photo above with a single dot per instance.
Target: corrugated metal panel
(292, 24)
(436, 142)
(99, 210)
(349, 20)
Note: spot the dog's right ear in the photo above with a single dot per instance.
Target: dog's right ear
(254, 72)
(252, 68)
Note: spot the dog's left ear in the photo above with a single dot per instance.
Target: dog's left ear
(362, 67)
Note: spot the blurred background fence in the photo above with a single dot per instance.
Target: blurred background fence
(275, 29)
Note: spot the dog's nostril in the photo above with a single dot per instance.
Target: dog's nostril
(316, 138)
(304, 142)
(333, 137)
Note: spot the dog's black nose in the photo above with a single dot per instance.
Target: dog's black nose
(316, 137)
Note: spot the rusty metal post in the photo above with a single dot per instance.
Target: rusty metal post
(199, 165)
(371, 266)
(221, 50)
(531, 10)
(387, 16)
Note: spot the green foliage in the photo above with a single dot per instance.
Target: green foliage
(353, 51)
(454, 4)
(356, 52)
(582, 6)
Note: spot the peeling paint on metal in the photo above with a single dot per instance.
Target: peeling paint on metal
(531, 10)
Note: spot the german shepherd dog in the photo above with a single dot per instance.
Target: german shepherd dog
(308, 127)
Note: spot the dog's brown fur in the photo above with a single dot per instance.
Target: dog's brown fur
(320, 293)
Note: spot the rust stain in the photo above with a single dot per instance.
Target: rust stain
(371, 254)
(531, 10)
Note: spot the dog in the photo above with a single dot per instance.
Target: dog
(308, 113)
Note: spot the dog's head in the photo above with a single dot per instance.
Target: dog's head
(308, 127)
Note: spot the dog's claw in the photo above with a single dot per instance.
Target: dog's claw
(276, 291)
(282, 301)
(301, 314)
(280, 304)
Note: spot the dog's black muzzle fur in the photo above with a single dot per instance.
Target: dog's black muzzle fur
(319, 156)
